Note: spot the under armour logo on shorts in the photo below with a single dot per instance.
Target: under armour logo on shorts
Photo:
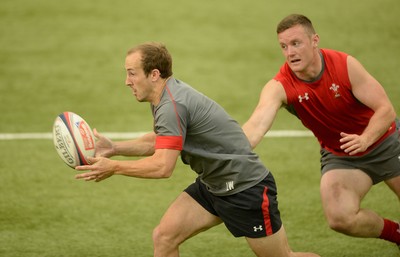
(259, 228)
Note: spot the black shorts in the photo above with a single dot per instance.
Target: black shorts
(251, 213)
(380, 164)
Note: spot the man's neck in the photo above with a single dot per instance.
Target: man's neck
(315, 70)
(158, 90)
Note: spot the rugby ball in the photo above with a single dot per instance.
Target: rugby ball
(73, 139)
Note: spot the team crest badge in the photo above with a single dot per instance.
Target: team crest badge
(335, 89)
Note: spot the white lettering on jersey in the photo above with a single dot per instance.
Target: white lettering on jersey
(230, 186)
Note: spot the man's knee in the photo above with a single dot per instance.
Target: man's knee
(164, 243)
(163, 238)
(159, 236)
(340, 221)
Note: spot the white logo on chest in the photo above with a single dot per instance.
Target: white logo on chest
(305, 97)
(335, 89)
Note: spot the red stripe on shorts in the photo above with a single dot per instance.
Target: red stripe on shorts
(265, 210)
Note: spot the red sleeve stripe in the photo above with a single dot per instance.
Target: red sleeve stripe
(169, 142)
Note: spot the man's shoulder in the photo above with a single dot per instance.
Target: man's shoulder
(333, 53)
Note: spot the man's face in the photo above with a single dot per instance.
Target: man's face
(298, 48)
(136, 79)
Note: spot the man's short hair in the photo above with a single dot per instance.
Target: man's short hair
(154, 56)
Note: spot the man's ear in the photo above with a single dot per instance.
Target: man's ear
(155, 75)
(315, 40)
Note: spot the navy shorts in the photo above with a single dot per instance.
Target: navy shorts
(382, 163)
(251, 213)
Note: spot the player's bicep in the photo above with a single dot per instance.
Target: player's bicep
(364, 86)
(171, 119)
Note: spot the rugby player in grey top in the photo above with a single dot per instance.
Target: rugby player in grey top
(233, 186)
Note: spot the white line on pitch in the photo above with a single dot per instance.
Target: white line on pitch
(128, 135)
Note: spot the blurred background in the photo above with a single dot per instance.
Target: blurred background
(58, 56)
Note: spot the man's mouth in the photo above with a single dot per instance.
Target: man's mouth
(294, 61)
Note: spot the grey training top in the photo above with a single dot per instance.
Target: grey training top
(211, 142)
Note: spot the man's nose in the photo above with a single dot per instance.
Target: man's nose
(127, 81)
(290, 50)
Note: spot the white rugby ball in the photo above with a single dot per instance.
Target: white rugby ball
(73, 139)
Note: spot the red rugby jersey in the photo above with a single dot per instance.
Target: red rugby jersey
(327, 106)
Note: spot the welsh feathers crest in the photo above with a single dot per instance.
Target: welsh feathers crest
(335, 89)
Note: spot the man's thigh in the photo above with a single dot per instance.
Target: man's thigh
(394, 184)
(343, 189)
